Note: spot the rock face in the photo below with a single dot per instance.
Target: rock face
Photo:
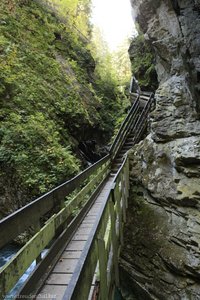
(161, 254)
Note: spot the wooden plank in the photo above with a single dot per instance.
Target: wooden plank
(86, 225)
(58, 279)
(88, 221)
(70, 254)
(93, 210)
(83, 231)
(80, 237)
(90, 218)
(93, 213)
(76, 245)
(65, 266)
(52, 292)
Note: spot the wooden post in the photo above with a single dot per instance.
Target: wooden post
(128, 174)
(115, 245)
(102, 268)
(127, 181)
(119, 210)
(36, 229)
(123, 183)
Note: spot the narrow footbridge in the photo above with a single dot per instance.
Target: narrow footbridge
(76, 229)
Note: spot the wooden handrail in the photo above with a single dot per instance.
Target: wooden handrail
(11, 272)
(31, 214)
(17, 222)
(90, 254)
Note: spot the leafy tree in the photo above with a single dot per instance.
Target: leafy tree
(122, 63)
(75, 13)
(110, 80)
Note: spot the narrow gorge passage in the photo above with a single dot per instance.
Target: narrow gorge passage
(64, 91)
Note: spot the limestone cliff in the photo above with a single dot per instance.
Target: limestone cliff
(161, 255)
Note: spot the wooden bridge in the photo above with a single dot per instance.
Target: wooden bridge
(79, 224)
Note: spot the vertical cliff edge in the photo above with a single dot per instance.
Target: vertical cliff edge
(161, 256)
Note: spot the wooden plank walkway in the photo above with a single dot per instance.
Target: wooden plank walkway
(57, 282)
(86, 244)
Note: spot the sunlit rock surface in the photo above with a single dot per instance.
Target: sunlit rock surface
(161, 254)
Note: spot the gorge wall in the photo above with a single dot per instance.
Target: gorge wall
(161, 256)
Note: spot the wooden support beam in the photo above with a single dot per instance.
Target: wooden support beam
(102, 268)
(115, 243)
(123, 183)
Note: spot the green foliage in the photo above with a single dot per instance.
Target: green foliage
(75, 13)
(110, 81)
(45, 95)
(49, 95)
(142, 61)
(32, 145)
(122, 63)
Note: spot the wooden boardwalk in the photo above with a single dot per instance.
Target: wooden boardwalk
(56, 284)
(83, 235)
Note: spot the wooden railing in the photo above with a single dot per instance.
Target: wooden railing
(104, 243)
(31, 215)
(53, 213)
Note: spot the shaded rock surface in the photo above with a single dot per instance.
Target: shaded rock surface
(161, 257)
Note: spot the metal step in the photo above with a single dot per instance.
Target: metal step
(119, 160)
(126, 148)
(130, 144)
(129, 140)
